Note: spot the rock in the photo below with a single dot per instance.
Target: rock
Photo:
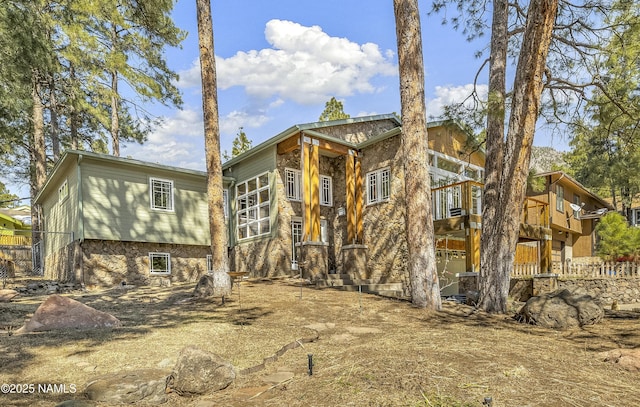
(7, 295)
(200, 372)
(146, 386)
(58, 312)
(472, 298)
(628, 359)
(217, 284)
(561, 309)
(278, 377)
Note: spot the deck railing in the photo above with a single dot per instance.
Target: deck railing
(576, 270)
(465, 198)
(15, 240)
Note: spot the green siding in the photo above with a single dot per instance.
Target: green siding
(61, 218)
(262, 162)
(116, 205)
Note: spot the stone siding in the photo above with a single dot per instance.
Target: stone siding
(384, 222)
(107, 263)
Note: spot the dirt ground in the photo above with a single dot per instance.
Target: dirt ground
(371, 351)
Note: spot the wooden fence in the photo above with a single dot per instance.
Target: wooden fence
(593, 270)
(15, 240)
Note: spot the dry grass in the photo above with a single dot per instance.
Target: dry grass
(406, 357)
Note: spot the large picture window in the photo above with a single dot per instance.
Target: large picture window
(160, 263)
(378, 186)
(253, 203)
(161, 194)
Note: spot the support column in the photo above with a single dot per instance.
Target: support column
(314, 174)
(545, 254)
(351, 189)
(472, 247)
(359, 200)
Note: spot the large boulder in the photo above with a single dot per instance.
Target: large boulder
(58, 312)
(628, 359)
(200, 372)
(216, 284)
(561, 309)
(138, 386)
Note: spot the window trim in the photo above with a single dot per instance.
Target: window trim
(171, 206)
(64, 187)
(329, 190)
(559, 198)
(296, 184)
(254, 208)
(225, 203)
(167, 256)
(377, 175)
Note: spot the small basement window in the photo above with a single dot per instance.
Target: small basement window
(159, 263)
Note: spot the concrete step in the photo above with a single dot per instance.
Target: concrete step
(374, 288)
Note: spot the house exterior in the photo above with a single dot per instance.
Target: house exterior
(109, 220)
(320, 200)
(573, 214)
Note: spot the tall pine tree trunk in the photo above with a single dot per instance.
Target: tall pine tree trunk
(217, 226)
(423, 276)
(54, 125)
(37, 153)
(508, 158)
(115, 123)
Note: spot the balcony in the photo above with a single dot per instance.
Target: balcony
(465, 198)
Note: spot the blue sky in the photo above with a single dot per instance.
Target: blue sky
(279, 62)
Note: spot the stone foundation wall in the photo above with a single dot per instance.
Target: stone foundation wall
(107, 263)
(606, 290)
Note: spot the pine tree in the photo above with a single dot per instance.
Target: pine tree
(333, 110)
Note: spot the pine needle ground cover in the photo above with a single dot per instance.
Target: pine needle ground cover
(366, 350)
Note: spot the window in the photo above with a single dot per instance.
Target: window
(326, 191)
(225, 202)
(160, 263)
(293, 183)
(448, 165)
(63, 191)
(576, 201)
(161, 194)
(296, 237)
(378, 186)
(209, 263)
(253, 207)
(560, 198)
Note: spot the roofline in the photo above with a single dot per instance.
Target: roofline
(569, 177)
(308, 127)
(68, 154)
(14, 220)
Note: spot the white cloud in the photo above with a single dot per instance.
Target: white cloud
(177, 141)
(230, 123)
(305, 65)
(454, 94)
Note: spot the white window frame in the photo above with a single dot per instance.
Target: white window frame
(225, 203)
(293, 184)
(209, 264)
(63, 191)
(162, 184)
(159, 272)
(326, 190)
(253, 207)
(560, 198)
(378, 186)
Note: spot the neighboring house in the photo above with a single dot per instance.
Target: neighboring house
(15, 241)
(109, 220)
(15, 227)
